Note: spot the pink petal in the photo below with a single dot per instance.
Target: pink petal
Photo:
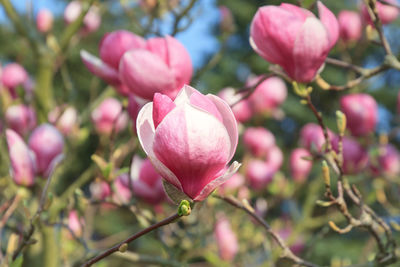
(229, 122)
(218, 181)
(330, 22)
(162, 105)
(145, 131)
(275, 42)
(201, 101)
(298, 11)
(146, 74)
(310, 50)
(99, 68)
(194, 145)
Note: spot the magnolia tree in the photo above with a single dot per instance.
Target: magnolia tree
(280, 149)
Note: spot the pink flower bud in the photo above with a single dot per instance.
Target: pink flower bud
(122, 189)
(65, 122)
(361, 112)
(99, 190)
(147, 183)
(300, 47)
(13, 75)
(21, 118)
(259, 174)
(75, 224)
(47, 143)
(386, 13)
(299, 167)
(91, 21)
(22, 160)
(387, 162)
(227, 23)
(258, 140)
(189, 141)
(312, 137)
(163, 67)
(241, 110)
(226, 240)
(268, 95)
(355, 158)
(109, 114)
(350, 25)
(111, 49)
(44, 20)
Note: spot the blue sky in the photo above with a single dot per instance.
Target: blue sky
(197, 39)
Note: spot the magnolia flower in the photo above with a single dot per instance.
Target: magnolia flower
(190, 140)
(20, 118)
(226, 239)
(299, 167)
(47, 143)
(109, 116)
(350, 25)
(22, 160)
(44, 20)
(294, 38)
(361, 112)
(111, 49)
(164, 66)
(258, 140)
(146, 182)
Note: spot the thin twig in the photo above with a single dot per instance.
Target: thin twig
(117, 247)
(180, 16)
(287, 253)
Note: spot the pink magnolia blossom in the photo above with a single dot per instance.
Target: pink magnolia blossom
(258, 140)
(91, 21)
(312, 136)
(268, 95)
(12, 76)
(386, 13)
(66, 121)
(302, 45)
(122, 189)
(147, 183)
(75, 223)
(99, 190)
(47, 143)
(261, 172)
(361, 112)
(350, 25)
(241, 110)
(227, 242)
(44, 20)
(299, 167)
(164, 66)
(111, 49)
(387, 162)
(109, 115)
(22, 160)
(355, 157)
(20, 118)
(189, 141)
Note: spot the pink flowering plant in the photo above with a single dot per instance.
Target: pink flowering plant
(199, 133)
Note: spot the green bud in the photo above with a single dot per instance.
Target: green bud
(123, 248)
(184, 208)
(341, 122)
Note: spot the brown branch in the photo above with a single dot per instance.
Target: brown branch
(373, 13)
(250, 90)
(287, 253)
(118, 246)
(180, 16)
